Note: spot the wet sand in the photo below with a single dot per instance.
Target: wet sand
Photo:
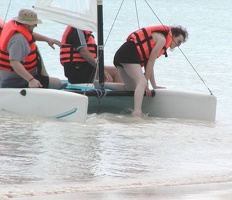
(187, 192)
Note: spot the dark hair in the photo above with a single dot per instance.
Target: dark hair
(179, 30)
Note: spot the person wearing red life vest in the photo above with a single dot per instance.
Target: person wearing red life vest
(141, 49)
(21, 64)
(78, 55)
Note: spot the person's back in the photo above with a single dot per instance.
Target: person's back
(77, 55)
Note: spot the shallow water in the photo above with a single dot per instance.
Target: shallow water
(41, 156)
(109, 152)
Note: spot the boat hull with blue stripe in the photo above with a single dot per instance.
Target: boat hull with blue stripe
(165, 103)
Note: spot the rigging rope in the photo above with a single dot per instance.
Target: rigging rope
(7, 11)
(162, 25)
(137, 14)
(120, 7)
(113, 22)
(182, 52)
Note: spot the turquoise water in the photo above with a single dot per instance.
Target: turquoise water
(110, 152)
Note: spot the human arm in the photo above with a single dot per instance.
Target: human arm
(21, 71)
(85, 53)
(80, 43)
(18, 49)
(149, 71)
(50, 41)
(153, 82)
(82, 48)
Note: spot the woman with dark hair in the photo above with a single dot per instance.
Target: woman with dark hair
(141, 49)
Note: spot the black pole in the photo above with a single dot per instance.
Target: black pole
(100, 43)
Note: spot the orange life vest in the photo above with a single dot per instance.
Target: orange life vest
(69, 53)
(145, 43)
(8, 31)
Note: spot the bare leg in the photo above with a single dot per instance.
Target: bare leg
(115, 86)
(56, 83)
(113, 71)
(134, 79)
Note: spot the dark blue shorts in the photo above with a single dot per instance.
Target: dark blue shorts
(44, 80)
(127, 53)
(79, 72)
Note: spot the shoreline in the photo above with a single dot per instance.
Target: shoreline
(215, 191)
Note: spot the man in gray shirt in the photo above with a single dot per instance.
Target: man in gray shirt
(20, 62)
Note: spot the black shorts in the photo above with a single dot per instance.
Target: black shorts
(79, 72)
(127, 53)
(44, 80)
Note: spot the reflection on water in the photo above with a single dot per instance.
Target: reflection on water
(111, 151)
(19, 148)
(48, 156)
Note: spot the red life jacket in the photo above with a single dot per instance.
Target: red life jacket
(69, 53)
(145, 43)
(8, 31)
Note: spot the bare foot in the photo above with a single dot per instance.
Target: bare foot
(137, 114)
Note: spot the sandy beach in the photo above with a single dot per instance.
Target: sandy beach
(222, 191)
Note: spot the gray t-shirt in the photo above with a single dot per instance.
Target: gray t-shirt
(81, 39)
(18, 49)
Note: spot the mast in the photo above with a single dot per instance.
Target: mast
(100, 42)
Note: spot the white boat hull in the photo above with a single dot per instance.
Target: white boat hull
(165, 104)
(181, 104)
(45, 103)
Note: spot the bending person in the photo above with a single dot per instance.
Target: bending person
(141, 49)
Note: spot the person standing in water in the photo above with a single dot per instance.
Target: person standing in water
(141, 49)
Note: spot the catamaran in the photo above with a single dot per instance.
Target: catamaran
(165, 103)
